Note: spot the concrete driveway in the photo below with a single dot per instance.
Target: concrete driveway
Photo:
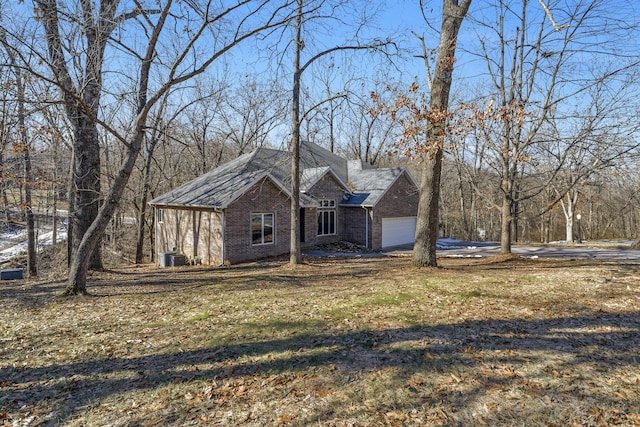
(461, 249)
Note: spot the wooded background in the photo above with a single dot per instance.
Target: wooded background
(541, 126)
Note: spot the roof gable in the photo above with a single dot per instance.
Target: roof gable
(221, 186)
(310, 177)
(370, 185)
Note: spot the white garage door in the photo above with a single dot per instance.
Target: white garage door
(398, 231)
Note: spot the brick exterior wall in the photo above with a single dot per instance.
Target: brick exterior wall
(354, 228)
(263, 197)
(401, 200)
(310, 227)
(327, 188)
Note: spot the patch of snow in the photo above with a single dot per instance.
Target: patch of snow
(462, 256)
(14, 242)
(449, 243)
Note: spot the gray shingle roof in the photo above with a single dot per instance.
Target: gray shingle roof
(370, 185)
(313, 156)
(224, 184)
(221, 186)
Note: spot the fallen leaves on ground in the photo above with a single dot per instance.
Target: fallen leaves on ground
(332, 342)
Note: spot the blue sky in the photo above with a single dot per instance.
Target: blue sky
(399, 18)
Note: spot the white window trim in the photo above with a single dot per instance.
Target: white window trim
(327, 205)
(273, 228)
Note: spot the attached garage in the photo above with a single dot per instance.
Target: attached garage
(398, 231)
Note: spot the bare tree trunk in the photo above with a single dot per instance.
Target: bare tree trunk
(54, 232)
(25, 147)
(3, 177)
(463, 205)
(32, 256)
(54, 189)
(82, 104)
(28, 210)
(142, 214)
(569, 210)
(295, 256)
(332, 137)
(569, 229)
(86, 185)
(506, 217)
(71, 207)
(83, 255)
(506, 190)
(473, 218)
(424, 250)
(5, 114)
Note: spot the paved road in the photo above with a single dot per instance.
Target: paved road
(569, 252)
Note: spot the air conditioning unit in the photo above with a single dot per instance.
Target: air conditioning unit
(177, 260)
(165, 259)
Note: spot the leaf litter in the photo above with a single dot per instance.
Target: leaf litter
(366, 341)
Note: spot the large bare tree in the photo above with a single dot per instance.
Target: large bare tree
(537, 59)
(168, 50)
(80, 82)
(453, 14)
(305, 11)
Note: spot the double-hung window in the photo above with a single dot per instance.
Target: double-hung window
(327, 218)
(261, 228)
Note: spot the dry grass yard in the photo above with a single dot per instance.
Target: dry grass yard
(336, 342)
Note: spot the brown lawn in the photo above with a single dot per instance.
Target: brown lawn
(336, 342)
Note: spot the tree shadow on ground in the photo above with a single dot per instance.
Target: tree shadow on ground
(149, 280)
(603, 341)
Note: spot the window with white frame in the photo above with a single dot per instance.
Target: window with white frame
(327, 218)
(160, 215)
(261, 228)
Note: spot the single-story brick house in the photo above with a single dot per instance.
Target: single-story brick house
(240, 211)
